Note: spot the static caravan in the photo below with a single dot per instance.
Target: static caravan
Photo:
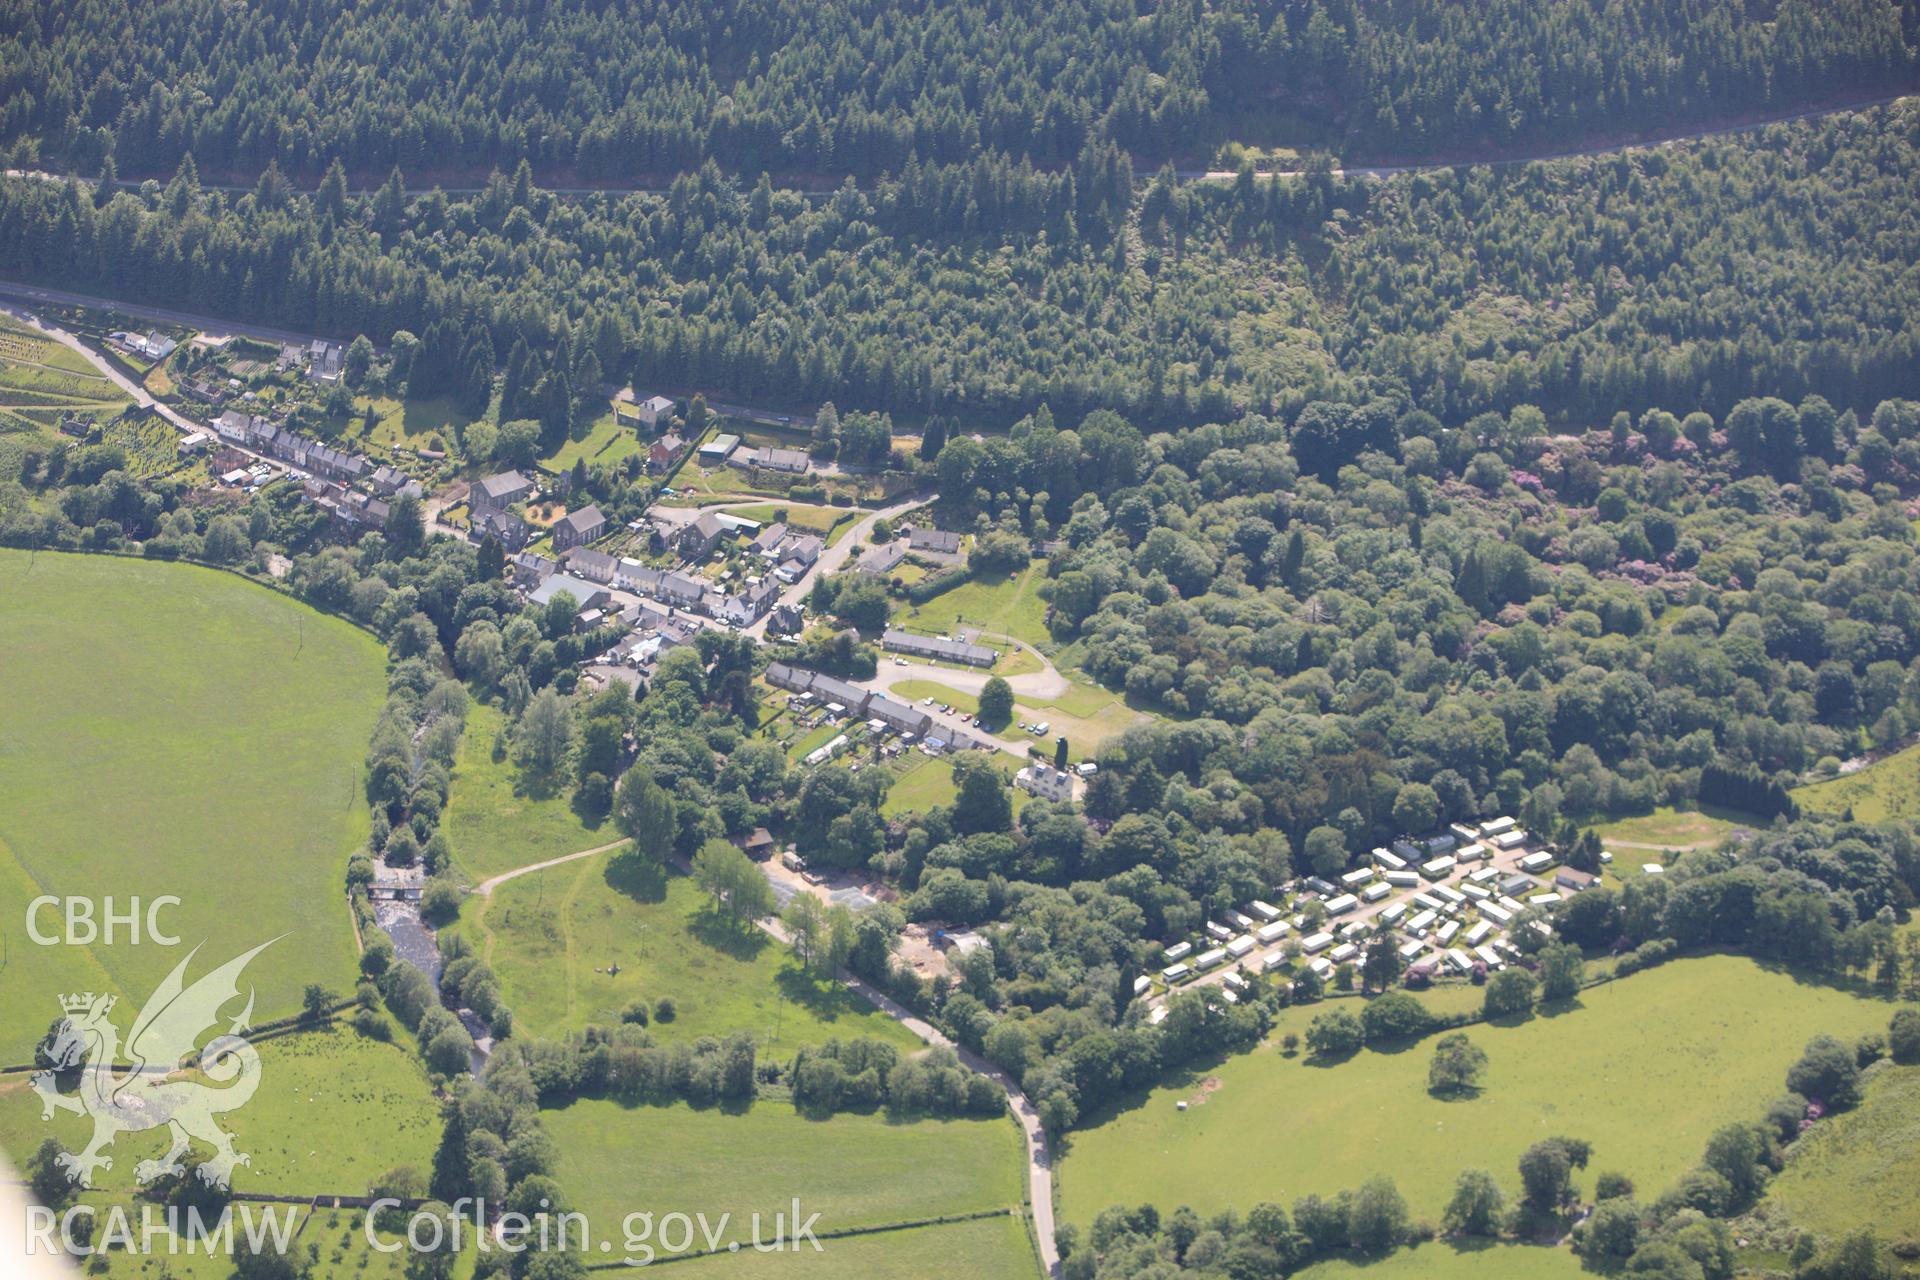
(1478, 934)
(1447, 932)
(1428, 901)
(1157, 1017)
(1319, 886)
(1217, 931)
(1375, 891)
(1535, 863)
(1322, 968)
(1230, 996)
(1316, 942)
(1511, 840)
(1211, 959)
(1490, 956)
(1458, 959)
(1341, 905)
(1389, 860)
(1463, 833)
(1498, 827)
(1265, 910)
(1235, 981)
(1142, 985)
(1495, 912)
(1178, 951)
(1483, 875)
(1272, 960)
(1546, 899)
(1515, 884)
(1479, 893)
(1439, 868)
(1241, 947)
(1422, 922)
(1239, 921)
(1449, 893)
(1475, 852)
(1394, 912)
(1403, 879)
(1177, 972)
(1511, 905)
(1354, 879)
(1410, 949)
(1271, 933)
(1353, 929)
(1343, 953)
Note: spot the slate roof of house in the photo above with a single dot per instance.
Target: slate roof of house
(503, 484)
(584, 521)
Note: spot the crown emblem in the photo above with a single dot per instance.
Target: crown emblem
(83, 1001)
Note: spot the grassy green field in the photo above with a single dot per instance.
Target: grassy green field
(1861, 1168)
(1888, 788)
(431, 423)
(1451, 1261)
(175, 730)
(604, 441)
(1000, 603)
(315, 1088)
(928, 781)
(983, 1249)
(1671, 828)
(802, 516)
(1645, 1069)
(494, 821)
(552, 936)
(853, 1170)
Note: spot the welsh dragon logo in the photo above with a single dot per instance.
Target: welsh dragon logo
(154, 1089)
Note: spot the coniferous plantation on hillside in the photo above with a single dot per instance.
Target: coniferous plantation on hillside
(608, 91)
(1684, 278)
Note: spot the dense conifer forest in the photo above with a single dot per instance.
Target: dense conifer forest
(611, 90)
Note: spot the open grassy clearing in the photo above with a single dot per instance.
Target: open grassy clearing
(1003, 604)
(1888, 788)
(1645, 1069)
(853, 1170)
(928, 781)
(983, 1249)
(316, 1087)
(431, 423)
(175, 730)
(551, 935)
(803, 516)
(1861, 1168)
(497, 819)
(604, 441)
(1671, 828)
